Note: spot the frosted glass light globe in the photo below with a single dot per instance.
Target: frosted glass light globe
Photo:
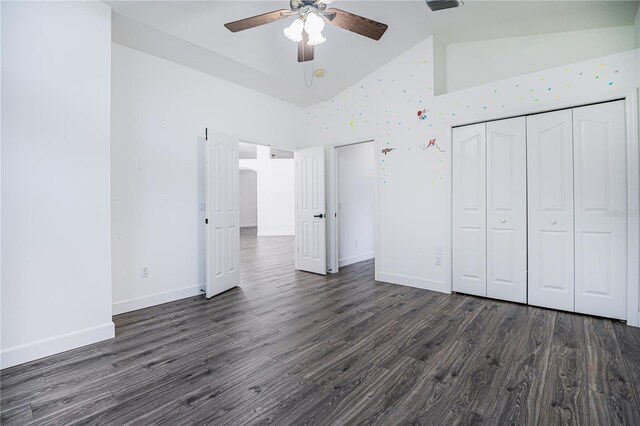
(314, 26)
(294, 31)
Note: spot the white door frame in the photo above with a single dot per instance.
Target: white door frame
(633, 184)
(332, 204)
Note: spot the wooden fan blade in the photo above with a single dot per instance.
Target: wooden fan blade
(305, 52)
(357, 24)
(256, 21)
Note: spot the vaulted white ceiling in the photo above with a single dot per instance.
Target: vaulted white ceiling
(192, 33)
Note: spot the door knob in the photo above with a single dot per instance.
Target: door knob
(553, 222)
(503, 220)
(319, 215)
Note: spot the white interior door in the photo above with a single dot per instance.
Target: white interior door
(600, 209)
(507, 210)
(469, 210)
(223, 218)
(311, 251)
(550, 211)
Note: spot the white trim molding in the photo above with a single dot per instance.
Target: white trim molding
(156, 299)
(416, 282)
(633, 209)
(54, 345)
(357, 258)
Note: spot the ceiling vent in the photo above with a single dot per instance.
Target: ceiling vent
(436, 5)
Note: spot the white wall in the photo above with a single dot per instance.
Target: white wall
(276, 208)
(248, 189)
(637, 26)
(356, 202)
(56, 239)
(159, 112)
(475, 63)
(413, 187)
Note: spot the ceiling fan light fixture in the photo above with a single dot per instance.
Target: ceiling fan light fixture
(316, 39)
(314, 25)
(294, 31)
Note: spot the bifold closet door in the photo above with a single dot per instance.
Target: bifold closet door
(469, 210)
(600, 194)
(507, 209)
(550, 210)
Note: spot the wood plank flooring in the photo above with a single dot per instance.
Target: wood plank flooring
(294, 348)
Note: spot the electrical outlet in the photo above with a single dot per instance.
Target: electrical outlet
(438, 250)
(145, 272)
(438, 261)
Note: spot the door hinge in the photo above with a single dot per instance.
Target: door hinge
(206, 221)
(206, 134)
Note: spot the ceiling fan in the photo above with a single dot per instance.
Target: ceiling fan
(306, 30)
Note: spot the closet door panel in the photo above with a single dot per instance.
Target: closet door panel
(600, 180)
(550, 210)
(469, 210)
(507, 210)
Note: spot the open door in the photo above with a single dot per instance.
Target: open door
(311, 250)
(223, 217)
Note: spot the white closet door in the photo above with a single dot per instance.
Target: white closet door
(507, 210)
(600, 209)
(469, 210)
(550, 197)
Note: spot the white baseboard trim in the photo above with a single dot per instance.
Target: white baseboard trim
(632, 323)
(54, 345)
(355, 259)
(274, 234)
(248, 225)
(156, 299)
(416, 282)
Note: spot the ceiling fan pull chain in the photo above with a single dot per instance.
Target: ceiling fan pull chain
(304, 72)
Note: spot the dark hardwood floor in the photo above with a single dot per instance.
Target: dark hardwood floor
(295, 348)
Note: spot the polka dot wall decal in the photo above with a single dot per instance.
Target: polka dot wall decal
(597, 77)
(615, 72)
(611, 83)
(548, 88)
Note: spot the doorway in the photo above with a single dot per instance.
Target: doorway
(353, 225)
(266, 209)
(250, 210)
(248, 191)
